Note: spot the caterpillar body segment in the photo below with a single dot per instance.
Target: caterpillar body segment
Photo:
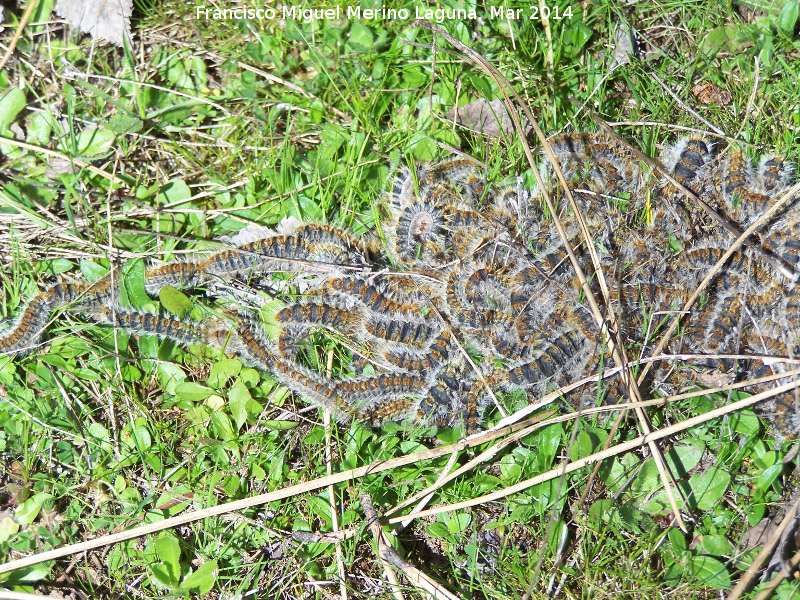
(23, 332)
(687, 161)
(205, 333)
(376, 299)
(596, 161)
(62, 294)
(310, 245)
(435, 356)
(381, 388)
(178, 274)
(323, 314)
(393, 410)
(774, 174)
(414, 334)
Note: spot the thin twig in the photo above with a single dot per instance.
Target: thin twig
(751, 100)
(326, 422)
(767, 592)
(682, 104)
(18, 33)
(374, 525)
(390, 558)
(671, 126)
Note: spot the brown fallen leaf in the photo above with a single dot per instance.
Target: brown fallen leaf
(489, 118)
(57, 165)
(759, 534)
(708, 93)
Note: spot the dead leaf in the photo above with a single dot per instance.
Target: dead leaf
(59, 166)
(624, 44)
(708, 93)
(759, 534)
(102, 19)
(713, 378)
(489, 118)
(17, 131)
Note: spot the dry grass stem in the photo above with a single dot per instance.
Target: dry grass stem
(390, 558)
(327, 424)
(18, 33)
(615, 450)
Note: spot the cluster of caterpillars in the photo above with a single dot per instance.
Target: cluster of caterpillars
(471, 291)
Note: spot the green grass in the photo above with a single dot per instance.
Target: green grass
(101, 431)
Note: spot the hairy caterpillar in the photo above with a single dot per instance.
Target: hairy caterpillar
(475, 286)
